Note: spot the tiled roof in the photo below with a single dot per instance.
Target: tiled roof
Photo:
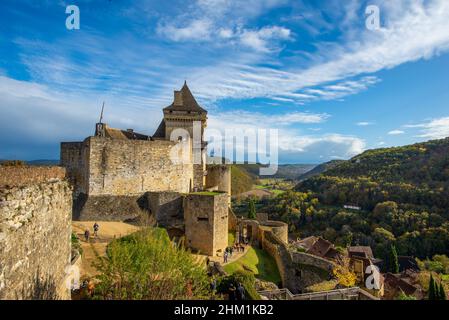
(363, 251)
(320, 247)
(185, 101)
(123, 134)
(160, 131)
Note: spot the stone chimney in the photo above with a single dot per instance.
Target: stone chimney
(177, 98)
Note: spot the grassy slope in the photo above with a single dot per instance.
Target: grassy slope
(259, 262)
(241, 180)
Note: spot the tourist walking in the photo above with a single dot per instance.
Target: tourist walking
(225, 257)
(232, 292)
(213, 285)
(87, 235)
(240, 292)
(96, 228)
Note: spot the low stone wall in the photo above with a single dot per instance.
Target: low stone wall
(279, 229)
(35, 231)
(308, 259)
(21, 176)
(276, 248)
(298, 270)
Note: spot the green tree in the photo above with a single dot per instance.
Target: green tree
(432, 293)
(393, 260)
(251, 209)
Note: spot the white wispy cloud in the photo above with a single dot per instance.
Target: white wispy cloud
(364, 123)
(420, 31)
(396, 132)
(412, 31)
(292, 143)
(433, 129)
(197, 30)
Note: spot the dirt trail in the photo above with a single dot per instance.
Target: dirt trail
(108, 232)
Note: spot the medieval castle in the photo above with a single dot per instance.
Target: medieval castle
(122, 175)
(118, 174)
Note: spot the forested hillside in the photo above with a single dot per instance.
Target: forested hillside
(403, 194)
(417, 175)
(319, 169)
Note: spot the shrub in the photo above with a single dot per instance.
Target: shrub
(148, 266)
(247, 280)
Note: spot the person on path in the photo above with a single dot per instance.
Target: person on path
(87, 235)
(240, 292)
(213, 285)
(232, 292)
(96, 228)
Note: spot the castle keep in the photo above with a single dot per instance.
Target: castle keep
(120, 174)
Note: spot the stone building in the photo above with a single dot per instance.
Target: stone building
(120, 174)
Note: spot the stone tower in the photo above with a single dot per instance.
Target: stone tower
(185, 113)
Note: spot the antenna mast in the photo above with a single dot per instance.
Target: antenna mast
(101, 115)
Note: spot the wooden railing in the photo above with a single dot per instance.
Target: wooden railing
(354, 293)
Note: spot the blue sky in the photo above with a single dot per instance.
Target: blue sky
(310, 69)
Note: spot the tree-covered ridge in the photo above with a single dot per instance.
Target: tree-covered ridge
(416, 175)
(417, 164)
(319, 169)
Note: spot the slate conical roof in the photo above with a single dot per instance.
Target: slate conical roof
(184, 101)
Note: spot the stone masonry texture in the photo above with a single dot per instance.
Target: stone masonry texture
(35, 231)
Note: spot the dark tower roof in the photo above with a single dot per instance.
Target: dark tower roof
(184, 101)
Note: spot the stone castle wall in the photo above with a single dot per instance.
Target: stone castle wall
(112, 175)
(75, 158)
(206, 222)
(279, 229)
(298, 270)
(166, 207)
(35, 231)
(19, 176)
(218, 178)
(131, 167)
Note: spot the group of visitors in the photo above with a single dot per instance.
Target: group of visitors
(236, 293)
(244, 240)
(96, 227)
(229, 251)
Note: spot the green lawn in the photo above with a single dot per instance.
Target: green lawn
(277, 191)
(207, 193)
(259, 262)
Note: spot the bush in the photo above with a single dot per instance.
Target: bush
(247, 280)
(148, 266)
